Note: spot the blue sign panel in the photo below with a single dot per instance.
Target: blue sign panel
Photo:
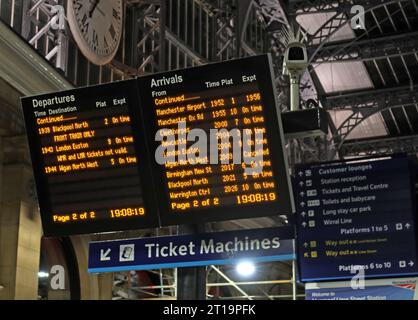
(258, 245)
(352, 215)
(388, 289)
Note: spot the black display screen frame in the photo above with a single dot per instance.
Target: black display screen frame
(260, 65)
(128, 89)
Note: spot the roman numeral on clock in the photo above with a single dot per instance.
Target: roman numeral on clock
(116, 14)
(95, 38)
(112, 31)
(84, 24)
(78, 4)
(84, 20)
(106, 45)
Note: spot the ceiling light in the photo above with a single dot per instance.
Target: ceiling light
(245, 269)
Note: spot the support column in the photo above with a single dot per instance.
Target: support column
(20, 235)
(105, 282)
(89, 288)
(191, 282)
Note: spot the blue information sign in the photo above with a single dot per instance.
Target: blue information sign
(257, 245)
(382, 289)
(358, 214)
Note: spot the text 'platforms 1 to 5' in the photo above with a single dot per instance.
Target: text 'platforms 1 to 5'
(356, 216)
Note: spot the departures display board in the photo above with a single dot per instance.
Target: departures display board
(234, 95)
(356, 218)
(89, 160)
(94, 150)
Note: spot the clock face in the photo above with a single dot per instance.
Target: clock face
(96, 26)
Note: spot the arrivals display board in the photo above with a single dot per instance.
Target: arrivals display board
(210, 101)
(95, 150)
(356, 219)
(89, 160)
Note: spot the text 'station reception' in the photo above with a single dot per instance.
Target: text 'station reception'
(355, 218)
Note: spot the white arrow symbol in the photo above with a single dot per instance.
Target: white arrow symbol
(303, 214)
(302, 194)
(304, 224)
(305, 245)
(407, 226)
(411, 263)
(300, 173)
(301, 183)
(302, 204)
(104, 256)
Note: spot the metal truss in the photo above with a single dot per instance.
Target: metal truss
(276, 21)
(307, 150)
(367, 50)
(218, 37)
(365, 104)
(232, 19)
(320, 52)
(149, 29)
(300, 7)
(381, 146)
(338, 20)
(273, 12)
(226, 38)
(373, 99)
(128, 285)
(47, 18)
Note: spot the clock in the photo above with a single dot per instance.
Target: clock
(96, 26)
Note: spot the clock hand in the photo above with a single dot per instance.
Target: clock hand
(93, 8)
(101, 12)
